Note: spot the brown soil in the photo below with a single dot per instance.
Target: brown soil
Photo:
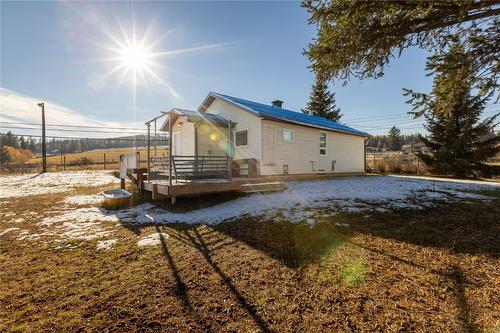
(429, 271)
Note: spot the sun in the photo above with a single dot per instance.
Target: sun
(135, 57)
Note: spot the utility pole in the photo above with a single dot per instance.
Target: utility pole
(44, 145)
(155, 137)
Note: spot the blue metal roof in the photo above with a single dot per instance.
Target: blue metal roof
(271, 111)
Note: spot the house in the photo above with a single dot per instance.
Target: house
(277, 140)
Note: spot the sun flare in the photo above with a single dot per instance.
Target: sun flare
(135, 57)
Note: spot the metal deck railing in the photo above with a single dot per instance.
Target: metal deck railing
(190, 167)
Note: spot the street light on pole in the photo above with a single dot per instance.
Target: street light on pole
(44, 147)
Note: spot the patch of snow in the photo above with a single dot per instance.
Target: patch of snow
(8, 230)
(19, 220)
(449, 180)
(105, 244)
(152, 239)
(301, 201)
(301, 196)
(83, 230)
(86, 214)
(254, 184)
(345, 225)
(52, 182)
(83, 200)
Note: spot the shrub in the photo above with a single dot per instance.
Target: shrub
(393, 164)
(81, 161)
(380, 166)
(15, 155)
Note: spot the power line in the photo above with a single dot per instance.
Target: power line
(69, 130)
(76, 126)
(398, 115)
(83, 138)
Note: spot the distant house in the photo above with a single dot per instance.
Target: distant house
(279, 141)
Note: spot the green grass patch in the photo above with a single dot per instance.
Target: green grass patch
(489, 192)
(354, 273)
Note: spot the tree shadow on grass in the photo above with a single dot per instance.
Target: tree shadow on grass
(184, 234)
(180, 286)
(470, 228)
(454, 274)
(294, 244)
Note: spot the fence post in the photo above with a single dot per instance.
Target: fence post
(418, 166)
(104, 161)
(64, 163)
(373, 161)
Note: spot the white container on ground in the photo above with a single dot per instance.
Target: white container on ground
(117, 198)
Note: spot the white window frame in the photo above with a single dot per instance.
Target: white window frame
(292, 132)
(238, 131)
(322, 150)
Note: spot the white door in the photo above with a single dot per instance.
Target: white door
(176, 144)
(323, 160)
(268, 146)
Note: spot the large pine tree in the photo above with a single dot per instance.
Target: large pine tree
(459, 141)
(395, 140)
(322, 102)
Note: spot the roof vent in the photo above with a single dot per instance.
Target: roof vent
(277, 103)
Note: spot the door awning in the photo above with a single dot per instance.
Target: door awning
(194, 117)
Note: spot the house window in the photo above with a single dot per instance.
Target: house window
(287, 135)
(241, 138)
(322, 143)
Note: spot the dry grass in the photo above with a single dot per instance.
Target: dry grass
(396, 163)
(426, 271)
(97, 155)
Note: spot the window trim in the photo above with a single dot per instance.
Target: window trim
(238, 131)
(283, 135)
(323, 148)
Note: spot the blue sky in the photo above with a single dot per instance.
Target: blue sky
(53, 51)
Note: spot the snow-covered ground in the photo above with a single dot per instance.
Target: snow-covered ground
(81, 217)
(301, 200)
(52, 182)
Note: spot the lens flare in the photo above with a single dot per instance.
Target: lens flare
(135, 57)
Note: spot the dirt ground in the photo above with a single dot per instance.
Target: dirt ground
(433, 270)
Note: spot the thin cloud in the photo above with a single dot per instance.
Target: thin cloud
(16, 109)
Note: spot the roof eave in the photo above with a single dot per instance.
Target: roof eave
(365, 135)
(216, 95)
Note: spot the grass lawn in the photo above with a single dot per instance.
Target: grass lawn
(430, 270)
(97, 155)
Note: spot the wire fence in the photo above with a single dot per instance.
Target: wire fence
(396, 162)
(91, 160)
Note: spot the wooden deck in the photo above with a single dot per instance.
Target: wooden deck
(161, 189)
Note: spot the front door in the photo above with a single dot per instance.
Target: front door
(268, 146)
(176, 143)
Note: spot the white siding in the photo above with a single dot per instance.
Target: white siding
(187, 136)
(302, 155)
(212, 140)
(244, 121)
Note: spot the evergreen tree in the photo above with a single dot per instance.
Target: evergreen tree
(459, 142)
(322, 102)
(394, 139)
(22, 143)
(359, 38)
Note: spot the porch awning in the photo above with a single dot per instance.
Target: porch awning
(194, 117)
